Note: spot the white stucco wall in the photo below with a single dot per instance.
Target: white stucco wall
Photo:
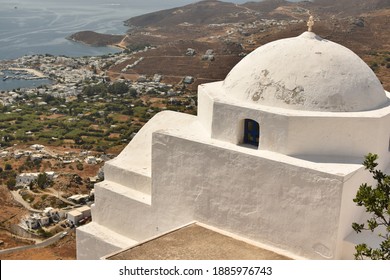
(122, 211)
(228, 125)
(298, 133)
(334, 136)
(266, 200)
(301, 206)
(120, 191)
(384, 135)
(350, 212)
(205, 107)
(121, 173)
(252, 193)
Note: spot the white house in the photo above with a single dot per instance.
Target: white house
(48, 211)
(37, 157)
(78, 198)
(24, 179)
(35, 221)
(273, 156)
(85, 210)
(4, 154)
(54, 214)
(43, 221)
(37, 147)
(74, 216)
(32, 223)
(90, 160)
(18, 154)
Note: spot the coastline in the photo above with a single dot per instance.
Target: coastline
(120, 46)
(29, 70)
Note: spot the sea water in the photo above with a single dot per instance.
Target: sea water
(41, 26)
(30, 27)
(10, 81)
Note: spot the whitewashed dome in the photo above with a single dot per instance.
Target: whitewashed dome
(306, 73)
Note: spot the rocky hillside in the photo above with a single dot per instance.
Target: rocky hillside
(96, 39)
(361, 25)
(204, 12)
(218, 12)
(349, 7)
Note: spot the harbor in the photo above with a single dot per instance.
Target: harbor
(12, 78)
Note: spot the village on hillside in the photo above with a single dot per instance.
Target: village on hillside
(55, 138)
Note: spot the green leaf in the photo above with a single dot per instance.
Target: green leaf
(376, 201)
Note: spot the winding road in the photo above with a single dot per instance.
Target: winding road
(42, 244)
(18, 198)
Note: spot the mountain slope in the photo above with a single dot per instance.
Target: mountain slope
(350, 7)
(218, 12)
(232, 31)
(204, 12)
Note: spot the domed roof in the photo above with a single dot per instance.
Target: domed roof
(306, 73)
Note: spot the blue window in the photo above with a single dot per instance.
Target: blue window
(251, 132)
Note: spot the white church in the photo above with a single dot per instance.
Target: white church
(273, 157)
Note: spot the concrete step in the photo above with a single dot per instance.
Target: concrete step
(94, 241)
(123, 173)
(125, 191)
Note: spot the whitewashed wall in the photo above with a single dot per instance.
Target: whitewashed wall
(290, 207)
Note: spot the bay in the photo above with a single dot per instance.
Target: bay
(41, 26)
(29, 27)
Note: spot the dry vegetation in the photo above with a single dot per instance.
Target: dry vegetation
(361, 25)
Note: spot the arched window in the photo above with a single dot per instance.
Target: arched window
(251, 132)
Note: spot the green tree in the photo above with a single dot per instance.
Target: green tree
(95, 89)
(11, 183)
(118, 88)
(133, 92)
(376, 200)
(44, 233)
(78, 140)
(43, 180)
(80, 166)
(8, 166)
(48, 98)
